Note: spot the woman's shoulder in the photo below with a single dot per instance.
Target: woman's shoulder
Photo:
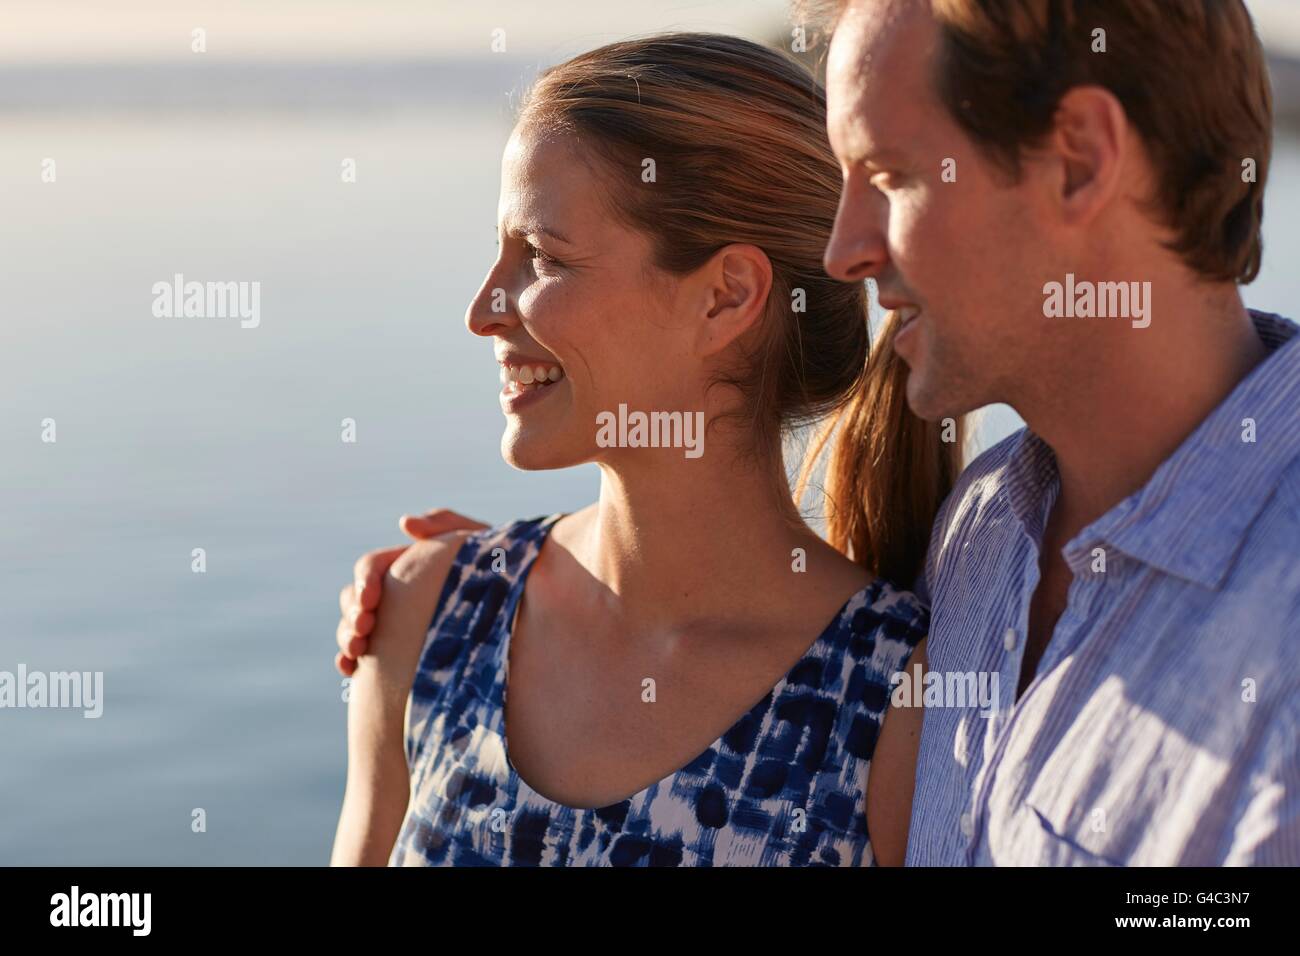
(413, 588)
(880, 630)
(428, 561)
(884, 610)
(422, 578)
(436, 576)
(504, 548)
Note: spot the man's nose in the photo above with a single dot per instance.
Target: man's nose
(857, 249)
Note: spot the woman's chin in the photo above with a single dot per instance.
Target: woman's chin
(532, 452)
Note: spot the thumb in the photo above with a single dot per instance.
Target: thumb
(436, 522)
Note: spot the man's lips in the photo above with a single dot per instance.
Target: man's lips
(906, 312)
(899, 305)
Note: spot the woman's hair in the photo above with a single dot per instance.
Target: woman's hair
(703, 140)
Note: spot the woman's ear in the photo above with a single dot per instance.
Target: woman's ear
(735, 284)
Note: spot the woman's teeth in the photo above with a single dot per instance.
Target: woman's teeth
(524, 377)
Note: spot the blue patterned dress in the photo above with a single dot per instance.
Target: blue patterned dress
(785, 786)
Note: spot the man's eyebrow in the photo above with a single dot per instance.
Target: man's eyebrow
(861, 150)
(886, 156)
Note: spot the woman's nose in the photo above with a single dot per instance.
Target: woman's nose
(492, 310)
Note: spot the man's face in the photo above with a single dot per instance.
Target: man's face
(940, 229)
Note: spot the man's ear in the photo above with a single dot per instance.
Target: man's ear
(734, 286)
(1089, 149)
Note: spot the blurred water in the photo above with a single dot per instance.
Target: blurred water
(175, 434)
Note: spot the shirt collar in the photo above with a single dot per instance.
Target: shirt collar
(1033, 482)
(1190, 518)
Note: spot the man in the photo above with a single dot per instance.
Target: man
(1126, 565)
(1063, 198)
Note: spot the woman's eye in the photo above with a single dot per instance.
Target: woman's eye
(540, 256)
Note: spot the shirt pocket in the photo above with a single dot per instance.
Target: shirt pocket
(1123, 783)
(1059, 848)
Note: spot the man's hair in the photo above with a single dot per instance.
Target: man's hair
(1190, 75)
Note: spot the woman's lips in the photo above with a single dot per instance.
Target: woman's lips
(523, 382)
(531, 373)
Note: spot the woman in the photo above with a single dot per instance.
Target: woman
(694, 677)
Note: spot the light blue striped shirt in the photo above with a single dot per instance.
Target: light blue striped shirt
(1163, 724)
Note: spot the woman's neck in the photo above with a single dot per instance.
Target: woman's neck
(676, 540)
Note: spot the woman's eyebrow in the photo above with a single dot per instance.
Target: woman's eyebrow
(524, 230)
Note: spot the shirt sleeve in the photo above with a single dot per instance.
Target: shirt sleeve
(925, 580)
(920, 587)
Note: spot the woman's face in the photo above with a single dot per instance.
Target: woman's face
(574, 300)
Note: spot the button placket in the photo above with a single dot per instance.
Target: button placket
(995, 743)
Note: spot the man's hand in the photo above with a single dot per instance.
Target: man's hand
(358, 601)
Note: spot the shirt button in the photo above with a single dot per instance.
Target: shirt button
(967, 825)
(1009, 639)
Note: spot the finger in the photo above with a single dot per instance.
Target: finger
(436, 522)
(347, 599)
(343, 635)
(344, 664)
(363, 623)
(368, 575)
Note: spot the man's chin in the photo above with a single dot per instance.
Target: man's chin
(926, 401)
(919, 398)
